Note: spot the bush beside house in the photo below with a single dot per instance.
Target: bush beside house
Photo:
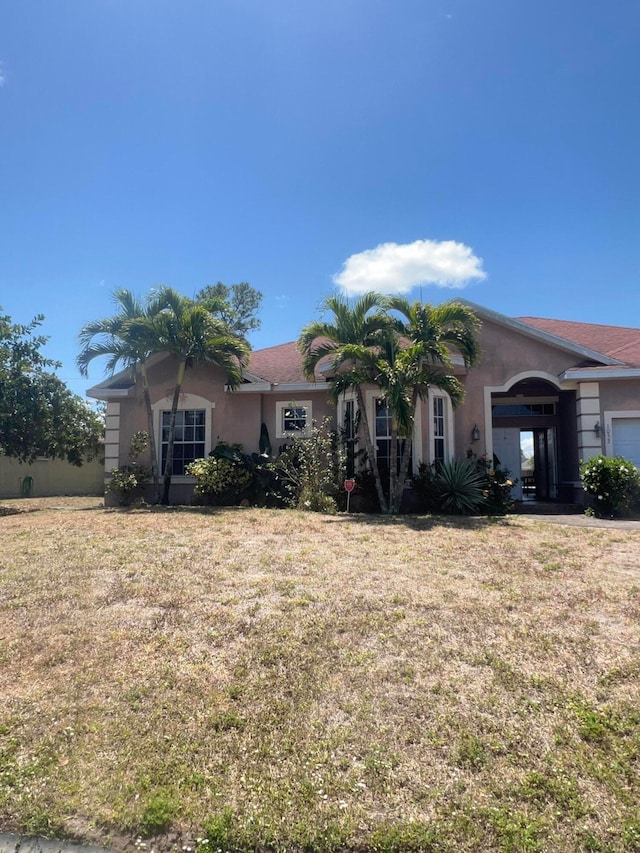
(613, 484)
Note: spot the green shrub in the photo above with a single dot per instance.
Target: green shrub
(126, 481)
(220, 480)
(425, 485)
(312, 470)
(496, 489)
(613, 483)
(229, 476)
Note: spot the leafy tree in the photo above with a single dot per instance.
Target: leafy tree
(113, 338)
(236, 306)
(188, 331)
(39, 415)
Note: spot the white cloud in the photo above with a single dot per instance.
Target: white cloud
(3, 76)
(398, 267)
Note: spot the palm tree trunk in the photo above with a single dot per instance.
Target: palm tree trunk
(152, 435)
(404, 470)
(393, 468)
(404, 463)
(371, 453)
(172, 432)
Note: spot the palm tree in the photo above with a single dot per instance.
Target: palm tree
(193, 336)
(431, 334)
(351, 344)
(112, 337)
(404, 356)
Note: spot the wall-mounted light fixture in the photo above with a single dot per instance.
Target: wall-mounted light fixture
(475, 433)
(596, 429)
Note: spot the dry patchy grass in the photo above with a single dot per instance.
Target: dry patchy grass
(276, 680)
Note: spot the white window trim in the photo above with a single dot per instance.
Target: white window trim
(416, 444)
(346, 397)
(187, 401)
(281, 405)
(448, 425)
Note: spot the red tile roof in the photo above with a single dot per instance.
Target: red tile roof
(616, 341)
(283, 363)
(280, 364)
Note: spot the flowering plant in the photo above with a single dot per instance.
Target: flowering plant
(612, 481)
(497, 487)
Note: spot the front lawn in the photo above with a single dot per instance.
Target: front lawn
(243, 679)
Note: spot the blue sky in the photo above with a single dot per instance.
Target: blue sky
(486, 148)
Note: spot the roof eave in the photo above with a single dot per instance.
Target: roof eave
(597, 373)
(282, 388)
(100, 393)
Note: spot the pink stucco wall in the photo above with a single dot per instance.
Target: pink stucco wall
(236, 417)
(619, 395)
(505, 353)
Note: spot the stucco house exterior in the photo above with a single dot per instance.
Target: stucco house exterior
(568, 390)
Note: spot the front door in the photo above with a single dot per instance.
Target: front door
(506, 451)
(545, 463)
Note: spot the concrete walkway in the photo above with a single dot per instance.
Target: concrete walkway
(581, 520)
(24, 844)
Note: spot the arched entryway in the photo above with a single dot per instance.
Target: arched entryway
(534, 436)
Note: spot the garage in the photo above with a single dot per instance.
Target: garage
(625, 434)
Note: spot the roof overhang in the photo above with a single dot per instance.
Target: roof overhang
(575, 374)
(99, 393)
(279, 387)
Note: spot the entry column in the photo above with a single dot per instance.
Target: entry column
(588, 412)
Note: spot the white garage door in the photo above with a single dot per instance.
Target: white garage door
(626, 438)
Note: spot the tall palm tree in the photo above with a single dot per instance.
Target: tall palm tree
(403, 355)
(193, 336)
(113, 337)
(431, 335)
(350, 342)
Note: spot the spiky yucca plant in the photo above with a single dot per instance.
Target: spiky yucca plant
(459, 485)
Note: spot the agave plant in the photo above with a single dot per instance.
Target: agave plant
(460, 487)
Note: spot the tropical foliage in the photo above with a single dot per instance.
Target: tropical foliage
(497, 489)
(463, 487)
(192, 335)
(39, 415)
(459, 486)
(111, 338)
(401, 348)
(351, 343)
(166, 322)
